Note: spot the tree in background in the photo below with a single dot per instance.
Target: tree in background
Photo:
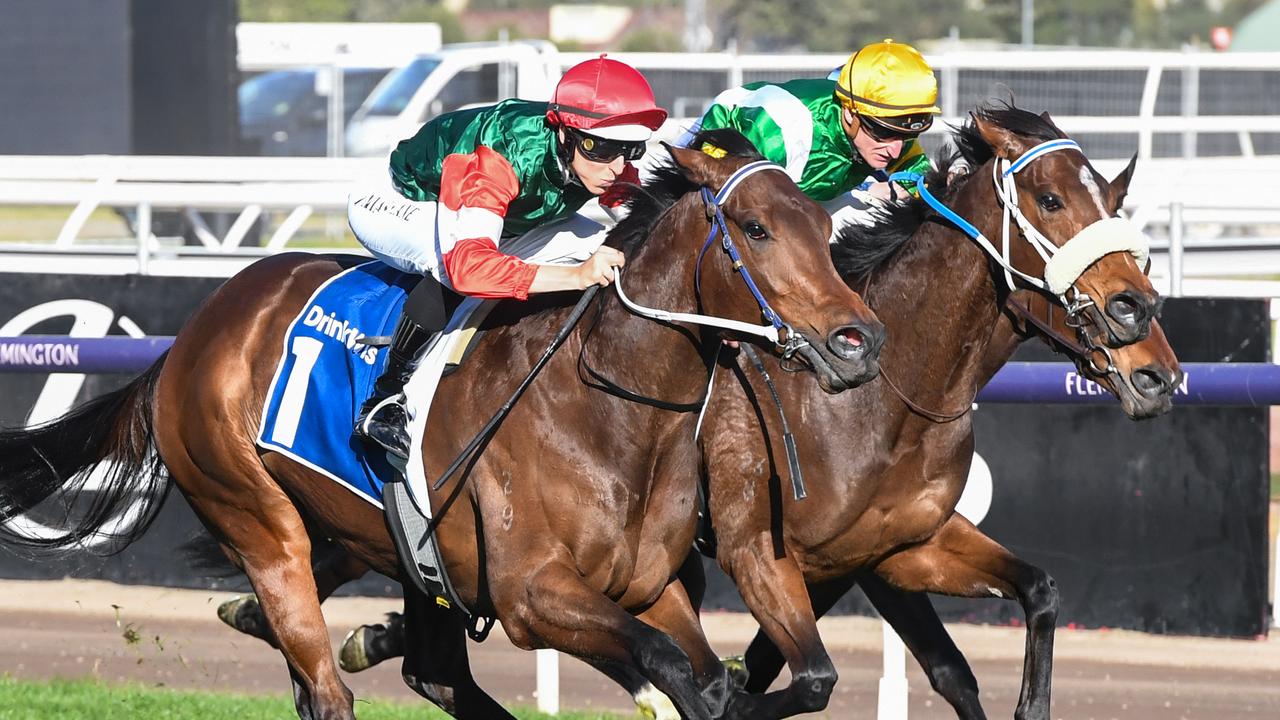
(355, 11)
(838, 25)
(297, 11)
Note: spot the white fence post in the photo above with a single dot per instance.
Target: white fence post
(548, 681)
(1176, 229)
(893, 683)
(143, 223)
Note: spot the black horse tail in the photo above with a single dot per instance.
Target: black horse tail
(107, 509)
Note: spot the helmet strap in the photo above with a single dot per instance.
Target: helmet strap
(564, 154)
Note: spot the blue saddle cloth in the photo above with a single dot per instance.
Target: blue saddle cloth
(325, 374)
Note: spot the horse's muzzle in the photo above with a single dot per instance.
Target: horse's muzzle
(1150, 391)
(849, 358)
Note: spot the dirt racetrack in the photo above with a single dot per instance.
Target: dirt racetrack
(71, 629)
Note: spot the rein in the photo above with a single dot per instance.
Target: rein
(1045, 326)
(1063, 264)
(482, 438)
(786, 340)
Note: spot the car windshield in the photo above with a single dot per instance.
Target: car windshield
(274, 94)
(393, 97)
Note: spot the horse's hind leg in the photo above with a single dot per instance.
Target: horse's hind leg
(244, 613)
(917, 623)
(436, 664)
(369, 645)
(249, 513)
(959, 560)
(912, 617)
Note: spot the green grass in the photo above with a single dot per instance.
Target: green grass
(90, 700)
(41, 224)
(1275, 486)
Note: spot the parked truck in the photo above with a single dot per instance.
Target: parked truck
(455, 77)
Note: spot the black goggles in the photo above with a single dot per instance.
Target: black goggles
(883, 133)
(603, 150)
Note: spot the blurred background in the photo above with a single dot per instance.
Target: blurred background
(149, 149)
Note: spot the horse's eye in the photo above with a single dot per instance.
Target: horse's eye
(1050, 202)
(755, 231)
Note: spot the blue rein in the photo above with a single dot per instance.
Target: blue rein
(935, 203)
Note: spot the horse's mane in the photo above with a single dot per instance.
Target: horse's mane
(976, 151)
(667, 185)
(861, 249)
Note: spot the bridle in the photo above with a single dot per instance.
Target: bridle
(786, 340)
(1063, 264)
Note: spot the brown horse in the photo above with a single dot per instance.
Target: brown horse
(884, 478)
(576, 516)
(911, 614)
(883, 490)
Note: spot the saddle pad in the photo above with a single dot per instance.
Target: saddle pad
(325, 373)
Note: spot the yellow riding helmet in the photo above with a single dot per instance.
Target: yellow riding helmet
(891, 83)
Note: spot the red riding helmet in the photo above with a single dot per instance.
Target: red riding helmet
(606, 98)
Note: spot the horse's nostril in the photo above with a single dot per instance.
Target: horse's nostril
(847, 342)
(851, 336)
(1150, 382)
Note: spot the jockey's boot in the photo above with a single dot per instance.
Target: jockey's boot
(384, 417)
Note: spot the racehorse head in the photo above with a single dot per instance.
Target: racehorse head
(1074, 251)
(762, 252)
(1143, 375)
(1067, 214)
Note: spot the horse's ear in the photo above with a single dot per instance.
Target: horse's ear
(1004, 143)
(1049, 121)
(1120, 186)
(699, 167)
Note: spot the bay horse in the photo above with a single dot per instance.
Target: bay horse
(884, 477)
(580, 510)
(883, 489)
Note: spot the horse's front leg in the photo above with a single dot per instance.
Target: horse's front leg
(912, 617)
(675, 614)
(762, 659)
(960, 560)
(553, 607)
(774, 590)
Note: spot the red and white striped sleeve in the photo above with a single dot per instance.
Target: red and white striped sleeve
(475, 189)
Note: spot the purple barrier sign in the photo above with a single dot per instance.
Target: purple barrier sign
(62, 354)
(1226, 384)
(1240, 384)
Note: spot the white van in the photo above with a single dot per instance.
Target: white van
(453, 78)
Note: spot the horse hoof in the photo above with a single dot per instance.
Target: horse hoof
(655, 705)
(353, 657)
(738, 672)
(234, 612)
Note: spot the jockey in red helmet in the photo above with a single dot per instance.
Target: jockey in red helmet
(470, 179)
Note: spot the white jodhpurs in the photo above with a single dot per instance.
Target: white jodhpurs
(405, 234)
(398, 231)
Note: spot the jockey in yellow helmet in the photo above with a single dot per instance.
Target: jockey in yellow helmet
(839, 133)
